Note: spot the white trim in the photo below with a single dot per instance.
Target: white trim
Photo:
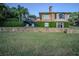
(61, 19)
(57, 16)
(46, 24)
(60, 22)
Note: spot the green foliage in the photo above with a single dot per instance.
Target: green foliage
(21, 10)
(2, 11)
(52, 24)
(32, 16)
(12, 22)
(40, 24)
(66, 24)
(8, 14)
(74, 16)
(12, 19)
(14, 12)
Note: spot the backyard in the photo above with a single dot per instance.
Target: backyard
(38, 43)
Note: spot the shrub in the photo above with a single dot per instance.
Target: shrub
(12, 19)
(12, 22)
(52, 24)
(66, 24)
(42, 24)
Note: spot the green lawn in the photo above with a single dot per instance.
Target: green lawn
(38, 43)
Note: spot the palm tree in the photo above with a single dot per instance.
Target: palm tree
(22, 10)
(19, 12)
(14, 11)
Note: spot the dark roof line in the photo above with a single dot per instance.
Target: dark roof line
(52, 12)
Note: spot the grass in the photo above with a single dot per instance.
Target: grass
(74, 27)
(38, 43)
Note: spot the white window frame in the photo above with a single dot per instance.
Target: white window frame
(46, 24)
(45, 16)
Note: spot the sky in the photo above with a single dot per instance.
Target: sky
(35, 8)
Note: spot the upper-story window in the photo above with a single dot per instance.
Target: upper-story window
(45, 17)
(61, 16)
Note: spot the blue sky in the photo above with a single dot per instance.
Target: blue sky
(35, 8)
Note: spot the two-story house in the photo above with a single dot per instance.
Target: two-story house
(53, 19)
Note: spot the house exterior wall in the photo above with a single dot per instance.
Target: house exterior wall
(57, 16)
(45, 17)
(67, 16)
(65, 19)
(53, 17)
(52, 20)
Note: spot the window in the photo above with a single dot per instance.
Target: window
(61, 16)
(45, 17)
(46, 24)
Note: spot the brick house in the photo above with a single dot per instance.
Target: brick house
(53, 19)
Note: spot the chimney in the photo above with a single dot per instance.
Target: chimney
(50, 8)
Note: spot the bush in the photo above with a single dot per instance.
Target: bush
(41, 24)
(12, 22)
(12, 19)
(66, 24)
(52, 24)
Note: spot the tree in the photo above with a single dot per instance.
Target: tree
(14, 12)
(32, 16)
(3, 12)
(7, 13)
(74, 16)
(22, 10)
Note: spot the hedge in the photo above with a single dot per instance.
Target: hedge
(42, 24)
(13, 24)
(51, 24)
(66, 24)
(12, 19)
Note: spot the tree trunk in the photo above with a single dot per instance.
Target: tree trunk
(19, 18)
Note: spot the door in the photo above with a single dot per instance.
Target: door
(60, 25)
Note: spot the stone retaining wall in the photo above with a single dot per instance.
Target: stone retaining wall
(30, 29)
